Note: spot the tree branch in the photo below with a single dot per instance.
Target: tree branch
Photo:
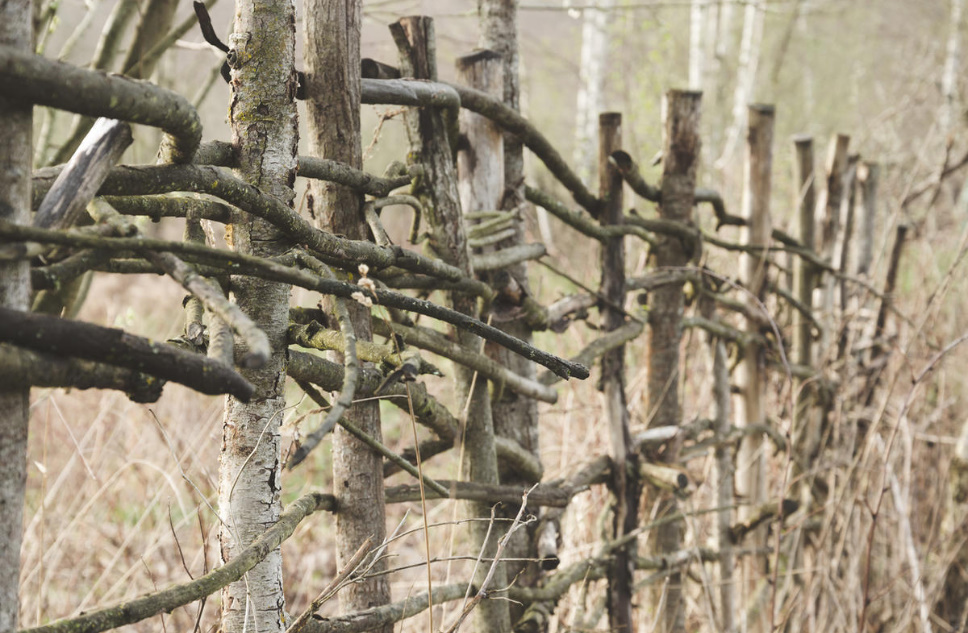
(119, 348)
(179, 595)
(58, 85)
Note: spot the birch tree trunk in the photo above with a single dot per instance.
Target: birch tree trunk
(591, 85)
(264, 132)
(681, 159)
(949, 75)
(749, 56)
(16, 122)
(332, 30)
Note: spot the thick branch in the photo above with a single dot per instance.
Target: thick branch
(58, 85)
(117, 347)
(26, 368)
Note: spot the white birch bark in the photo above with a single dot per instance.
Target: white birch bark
(591, 86)
(697, 43)
(749, 55)
(263, 118)
(949, 75)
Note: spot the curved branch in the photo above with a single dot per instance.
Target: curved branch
(158, 179)
(58, 85)
(166, 600)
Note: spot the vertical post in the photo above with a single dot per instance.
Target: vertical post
(681, 148)
(612, 384)
(263, 118)
(430, 146)
(515, 416)
(751, 480)
(828, 206)
(332, 65)
(868, 175)
(804, 177)
(16, 128)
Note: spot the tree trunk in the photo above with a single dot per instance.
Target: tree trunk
(666, 303)
(591, 78)
(515, 416)
(752, 457)
(16, 123)
(749, 56)
(625, 486)
(430, 145)
(333, 112)
(263, 118)
(949, 74)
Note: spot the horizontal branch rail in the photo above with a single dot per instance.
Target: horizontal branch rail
(116, 347)
(40, 81)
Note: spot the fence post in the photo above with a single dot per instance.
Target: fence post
(430, 145)
(612, 384)
(752, 462)
(829, 208)
(868, 175)
(681, 147)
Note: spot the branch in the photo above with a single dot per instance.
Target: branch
(488, 368)
(222, 154)
(351, 374)
(275, 271)
(209, 294)
(26, 368)
(58, 85)
(119, 348)
(600, 346)
(580, 221)
(329, 376)
(165, 601)
(544, 495)
(158, 179)
(76, 185)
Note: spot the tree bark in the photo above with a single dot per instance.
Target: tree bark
(666, 303)
(625, 486)
(515, 416)
(751, 459)
(430, 144)
(264, 132)
(333, 111)
(591, 77)
(16, 121)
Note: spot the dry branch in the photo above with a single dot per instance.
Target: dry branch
(275, 271)
(58, 85)
(24, 367)
(119, 348)
(179, 595)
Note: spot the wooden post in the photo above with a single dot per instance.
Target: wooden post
(806, 421)
(681, 147)
(828, 207)
(624, 487)
(752, 457)
(332, 57)
(868, 175)
(430, 145)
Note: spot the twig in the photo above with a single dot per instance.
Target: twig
(330, 590)
(164, 601)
